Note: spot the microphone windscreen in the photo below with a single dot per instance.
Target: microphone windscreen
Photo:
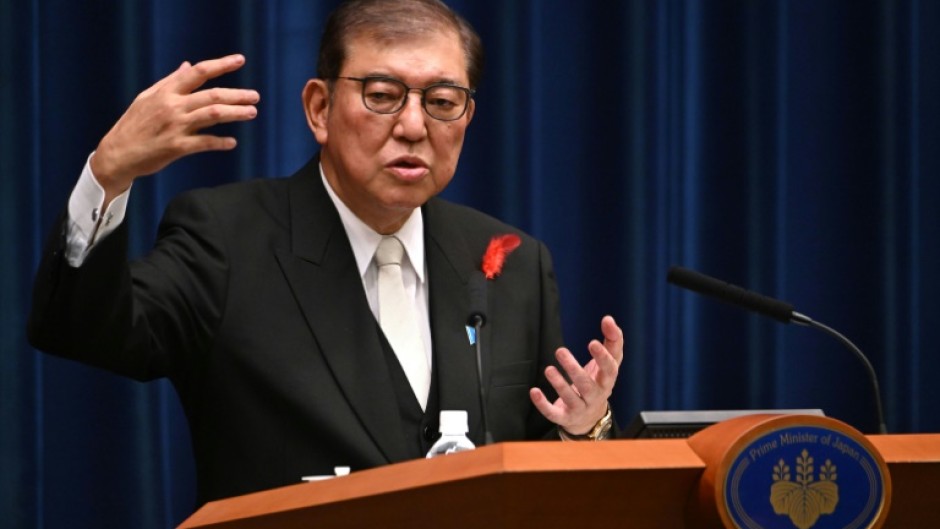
(729, 293)
(476, 290)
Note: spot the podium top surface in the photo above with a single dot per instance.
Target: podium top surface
(541, 484)
(539, 475)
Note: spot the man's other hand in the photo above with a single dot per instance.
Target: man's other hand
(583, 402)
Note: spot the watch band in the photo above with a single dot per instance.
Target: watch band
(600, 431)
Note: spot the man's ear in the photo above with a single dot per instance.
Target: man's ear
(470, 109)
(316, 99)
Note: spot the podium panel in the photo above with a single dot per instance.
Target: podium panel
(507, 485)
(626, 483)
(914, 460)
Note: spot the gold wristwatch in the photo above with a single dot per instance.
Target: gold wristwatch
(600, 431)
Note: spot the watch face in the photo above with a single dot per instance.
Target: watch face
(601, 428)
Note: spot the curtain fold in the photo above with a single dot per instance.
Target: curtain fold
(786, 146)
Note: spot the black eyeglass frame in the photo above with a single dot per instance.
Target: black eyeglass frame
(408, 89)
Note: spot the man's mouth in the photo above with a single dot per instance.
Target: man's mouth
(408, 168)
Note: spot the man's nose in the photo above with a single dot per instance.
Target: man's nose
(411, 124)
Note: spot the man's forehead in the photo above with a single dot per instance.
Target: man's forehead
(364, 49)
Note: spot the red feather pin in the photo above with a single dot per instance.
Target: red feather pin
(500, 247)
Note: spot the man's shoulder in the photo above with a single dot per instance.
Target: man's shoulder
(258, 189)
(467, 216)
(472, 225)
(240, 190)
(466, 219)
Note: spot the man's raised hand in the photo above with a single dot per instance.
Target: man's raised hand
(164, 124)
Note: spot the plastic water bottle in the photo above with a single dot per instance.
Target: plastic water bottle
(453, 434)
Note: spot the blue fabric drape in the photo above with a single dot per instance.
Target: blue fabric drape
(787, 146)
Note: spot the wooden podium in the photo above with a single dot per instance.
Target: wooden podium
(627, 483)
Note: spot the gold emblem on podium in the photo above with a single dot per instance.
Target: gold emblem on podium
(805, 499)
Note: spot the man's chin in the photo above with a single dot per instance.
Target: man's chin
(405, 198)
(404, 207)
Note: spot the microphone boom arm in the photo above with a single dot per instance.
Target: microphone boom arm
(806, 321)
(774, 308)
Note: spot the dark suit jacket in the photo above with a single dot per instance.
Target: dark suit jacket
(251, 303)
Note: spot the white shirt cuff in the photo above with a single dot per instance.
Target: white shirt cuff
(88, 221)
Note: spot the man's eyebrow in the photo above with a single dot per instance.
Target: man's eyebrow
(445, 80)
(434, 80)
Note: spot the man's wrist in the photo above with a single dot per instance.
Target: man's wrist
(599, 432)
(106, 176)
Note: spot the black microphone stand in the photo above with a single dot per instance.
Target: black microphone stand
(802, 319)
(774, 308)
(477, 321)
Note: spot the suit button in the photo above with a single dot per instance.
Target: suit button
(428, 433)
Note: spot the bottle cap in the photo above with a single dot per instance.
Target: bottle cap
(454, 422)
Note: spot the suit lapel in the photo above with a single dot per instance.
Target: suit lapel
(322, 272)
(450, 264)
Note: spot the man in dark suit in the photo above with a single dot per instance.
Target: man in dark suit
(261, 300)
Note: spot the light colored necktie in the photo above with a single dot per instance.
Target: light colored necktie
(398, 319)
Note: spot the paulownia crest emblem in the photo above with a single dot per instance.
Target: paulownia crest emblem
(805, 499)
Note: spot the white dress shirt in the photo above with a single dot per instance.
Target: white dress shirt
(365, 240)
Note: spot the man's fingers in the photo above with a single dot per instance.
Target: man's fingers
(544, 406)
(203, 143)
(570, 365)
(171, 77)
(607, 366)
(584, 386)
(186, 80)
(215, 114)
(613, 337)
(220, 96)
(566, 392)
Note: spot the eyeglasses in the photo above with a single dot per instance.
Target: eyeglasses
(386, 95)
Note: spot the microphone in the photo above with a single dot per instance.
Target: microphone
(477, 319)
(477, 290)
(774, 308)
(709, 286)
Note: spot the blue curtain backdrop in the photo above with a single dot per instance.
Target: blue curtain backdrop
(787, 146)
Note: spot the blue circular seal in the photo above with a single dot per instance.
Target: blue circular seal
(804, 476)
